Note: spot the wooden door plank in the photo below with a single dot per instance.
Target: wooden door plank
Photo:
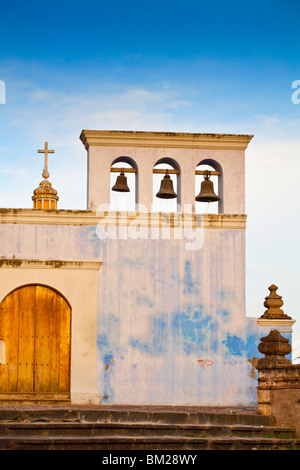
(54, 345)
(44, 299)
(65, 343)
(26, 339)
(11, 326)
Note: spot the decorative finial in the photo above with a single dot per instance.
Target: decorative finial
(274, 347)
(45, 197)
(273, 302)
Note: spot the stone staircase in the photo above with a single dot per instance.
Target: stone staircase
(140, 428)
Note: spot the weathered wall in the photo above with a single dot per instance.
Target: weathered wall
(171, 322)
(168, 319)
(285, 406)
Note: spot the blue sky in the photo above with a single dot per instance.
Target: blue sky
(192, 66)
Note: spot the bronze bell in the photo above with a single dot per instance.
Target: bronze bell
(166, 188)
(207, 193)
(121, 184)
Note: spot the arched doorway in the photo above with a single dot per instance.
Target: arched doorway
(35, 326)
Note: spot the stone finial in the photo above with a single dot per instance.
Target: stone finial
(274, 347)
(273, 302)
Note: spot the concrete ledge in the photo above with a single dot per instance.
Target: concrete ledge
(116, 218)
(48, 264)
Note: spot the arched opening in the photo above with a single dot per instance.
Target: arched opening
(41, 285)
(211, 170)
(163, 167)
(35, 326)
(124, 190)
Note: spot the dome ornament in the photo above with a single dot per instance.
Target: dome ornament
(45, 197)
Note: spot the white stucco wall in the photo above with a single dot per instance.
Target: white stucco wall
(168, 326)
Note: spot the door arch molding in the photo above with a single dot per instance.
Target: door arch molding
(36, 284)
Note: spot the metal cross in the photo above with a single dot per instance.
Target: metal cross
(46, 174)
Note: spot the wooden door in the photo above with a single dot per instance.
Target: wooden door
(35, 328)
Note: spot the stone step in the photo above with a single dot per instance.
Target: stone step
(146, 443)
(140, 428)
(138, 414)
(61, 429)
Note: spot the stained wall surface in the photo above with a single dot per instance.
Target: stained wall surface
(172, 327)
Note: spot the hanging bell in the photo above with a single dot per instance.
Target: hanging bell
(207, 193)
(121, 184)
(166, 188)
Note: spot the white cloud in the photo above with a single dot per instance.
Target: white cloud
(268, 121)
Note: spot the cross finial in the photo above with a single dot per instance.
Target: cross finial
(46, 174)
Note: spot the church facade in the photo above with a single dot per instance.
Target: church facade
(138, 306)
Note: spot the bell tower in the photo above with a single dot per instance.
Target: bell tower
(172, 285)
(184, 153)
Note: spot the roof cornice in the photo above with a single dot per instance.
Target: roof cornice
(116, 218)
(164, 139)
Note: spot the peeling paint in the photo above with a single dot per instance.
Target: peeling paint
(205, 363)
(253, 362)
(192, 326)
(108, 391)
(156, 344)
(235, 345)
(10, 262)
(187, 281)
(144, 300)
